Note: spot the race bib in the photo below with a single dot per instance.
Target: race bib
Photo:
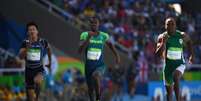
(174, 53)
(34, 54)
(93, 55)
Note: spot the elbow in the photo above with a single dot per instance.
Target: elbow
(158, 53)
(49, 51)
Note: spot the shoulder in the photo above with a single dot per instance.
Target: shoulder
(24, 43)
(162, 35)
(104, 33)
(84, 33)
(42, 40)
(181, 33)
(185, 36)
(25, 40)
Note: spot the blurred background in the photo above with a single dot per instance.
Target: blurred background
(133, 26)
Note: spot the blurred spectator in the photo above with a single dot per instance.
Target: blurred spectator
(117, 76)
(7, 94)
(143, 68)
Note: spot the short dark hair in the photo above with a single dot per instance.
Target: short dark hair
(171, 18)
(32, 23)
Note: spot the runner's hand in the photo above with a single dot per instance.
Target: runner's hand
(190, 61)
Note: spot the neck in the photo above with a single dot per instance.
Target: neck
(171, 32)
(95, 31)
(33, 39)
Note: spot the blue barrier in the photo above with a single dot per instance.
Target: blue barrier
(191, 90)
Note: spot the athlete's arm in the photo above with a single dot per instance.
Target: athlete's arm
(23, 49)
(22, 53)
(113, 51)
(84, 44)
(188, 43)
(49, 54)
(160, 47)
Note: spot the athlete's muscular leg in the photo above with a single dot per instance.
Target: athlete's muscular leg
(177, 76)
(31, 95)
(169, 90)
(38, 81)
(97, 78)
(167, 77)
(90, 89)
(90, 85)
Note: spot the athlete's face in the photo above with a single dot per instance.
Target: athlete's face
(94, 23)
(33, 31)
(170, 25)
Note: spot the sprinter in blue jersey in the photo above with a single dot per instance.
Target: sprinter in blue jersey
(32, 50)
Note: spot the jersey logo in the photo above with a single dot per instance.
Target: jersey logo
(181, 41)
(96, 41)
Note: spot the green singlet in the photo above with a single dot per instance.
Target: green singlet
(174, 59)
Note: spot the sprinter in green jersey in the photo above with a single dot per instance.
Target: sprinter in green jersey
(170, 46)
(92, 43)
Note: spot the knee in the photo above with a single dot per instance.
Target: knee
(169, 90)
(177, 76)
(170, 93)
(97, 76)
(176, 79)
(31, 95)
(38, 79)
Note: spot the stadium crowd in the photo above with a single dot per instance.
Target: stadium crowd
(135, 24)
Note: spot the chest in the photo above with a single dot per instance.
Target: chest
(174, 41)
(96, 41)
(34, 52)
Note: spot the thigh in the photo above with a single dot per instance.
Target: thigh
(31, 95)
(33, 76)
(180, 70)
(29, 79)
(89, 78)
(169, 89)
(38, 78)
(99, 72)
(168, 74)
